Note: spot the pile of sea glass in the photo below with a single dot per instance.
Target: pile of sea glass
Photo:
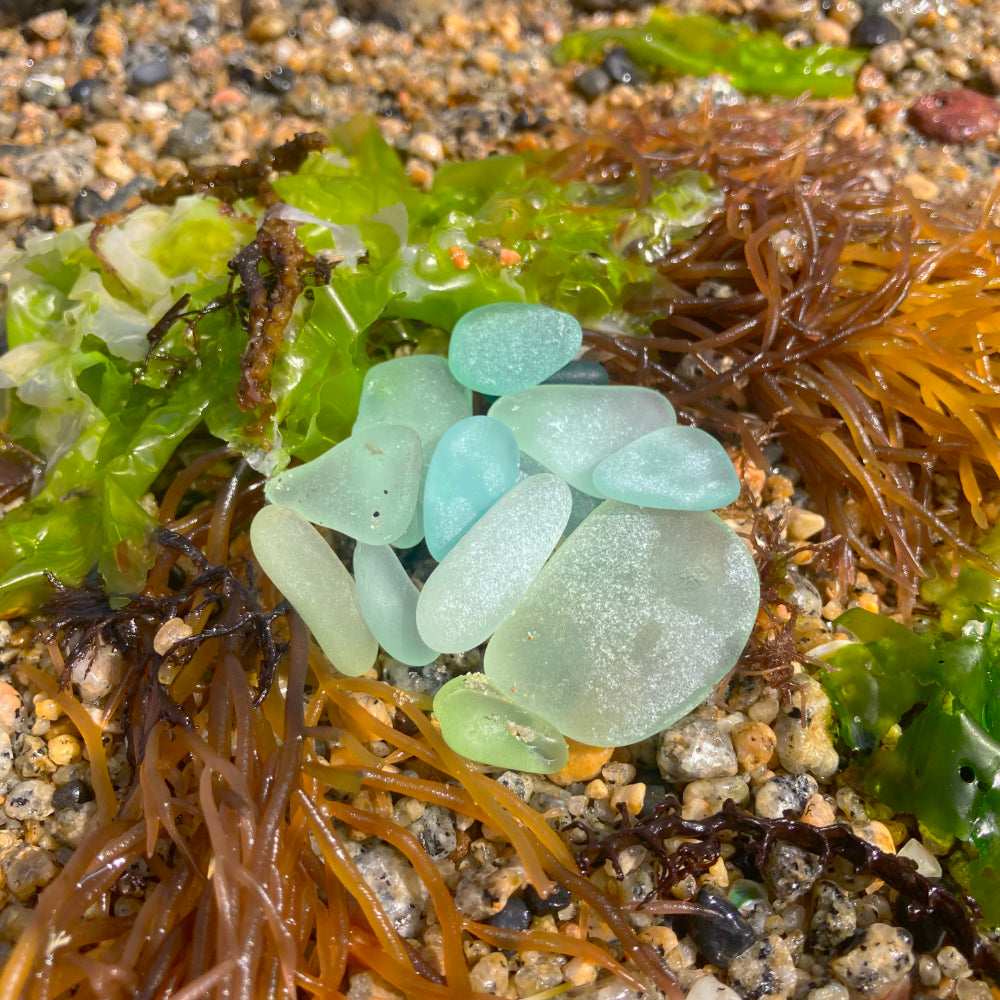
(572, 528)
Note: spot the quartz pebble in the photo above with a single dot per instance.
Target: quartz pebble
(483, 724)
(709, 988)
(483, 577)
(365, 487)
(475, 463)
(307, 571)
(571, 428)
(696, 748)
(388, 600)
(883, 956)
(631, 623)
(676, 468)
(507, 347)
(765, 971)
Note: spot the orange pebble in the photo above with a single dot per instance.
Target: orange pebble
(459, 257)
(584, 763)
(509, 257)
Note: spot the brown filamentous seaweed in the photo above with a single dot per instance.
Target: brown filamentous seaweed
(923, 899)
(827, 308)
(247, 180)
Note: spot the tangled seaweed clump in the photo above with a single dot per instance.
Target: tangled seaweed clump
(828, 309)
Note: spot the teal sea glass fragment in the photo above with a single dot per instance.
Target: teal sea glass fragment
(674, 468)
(388, 600)
(630, 624)
(481, 723)
(580, 373)
(417, 391)
(309, 574)
(571, 428)
(583, 503)
(507, 347)
(474, 464)
(479, 582)
(366, 486)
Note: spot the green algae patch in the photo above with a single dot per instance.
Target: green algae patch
(757, 62)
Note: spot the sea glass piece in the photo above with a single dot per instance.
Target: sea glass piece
(570, 428)
(309, 574)
(583, 503)
(675, 468)
(365, 487)
(481, 723)
(475, 586)
(507, 347)
(630, 624)
(388, 600)
(416, 391)
(580, 373)
(474, 464)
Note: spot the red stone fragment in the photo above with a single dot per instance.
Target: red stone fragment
(959, 115)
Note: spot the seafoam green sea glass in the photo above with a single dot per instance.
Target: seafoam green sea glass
(583, 503)
(308, 573)
(474, 464)
(507, 347)
(366, 486)
(480, 723)
(475, 586)
(570, 428)
(630, 624)
(675, 468)
(388, 600)
(417, 391)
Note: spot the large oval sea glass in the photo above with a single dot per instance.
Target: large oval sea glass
(630, 624)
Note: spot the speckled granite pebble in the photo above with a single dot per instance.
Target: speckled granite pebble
(882, 957)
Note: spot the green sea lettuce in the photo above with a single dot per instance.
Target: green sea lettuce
(104, 393)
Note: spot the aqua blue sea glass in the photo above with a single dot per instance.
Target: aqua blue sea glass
(309, 574)
(674, 468)
(570, 428)
(388, 600)
(366, 487)
(479, 582)
(507, 347)
(474, 464)
(417, 391)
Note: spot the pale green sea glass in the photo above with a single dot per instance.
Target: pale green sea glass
(480, 723)
(474, 464)
(507, 347)
(475, 586)
(365, 487)
(570, 428)
(417, 391)
(630, 624)
(309, 574)
(583, 503)
(674, 468)
(388, 600)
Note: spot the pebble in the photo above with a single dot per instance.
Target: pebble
(428, 147)
(11, 708)
(927, 864)
(784, 793)
(882, 957)
(873, 30)
(584, 763)
(514, 916)
(74, 793)
(57, 174)
(802, 732)
(960, 115)
(754, 744)
(278, 80)
(148, 66)
(765, 971)
(435, 829)
(310, 575)
(396, 885)
(834, 918)
(709, 988)
(48, 26)
(96, 673)
(953, 963)
(714, 792)
(618, 64)
(31, 799)
(192, 139)
(722, 939)
(27, 870)
(490, 974)
(6, 754)
(267, 27)
(621, 598)
(15, 200)
(591, 83)
(45, 91)
(558, 899)
(790, 871)
(695, 748)
(64, 749)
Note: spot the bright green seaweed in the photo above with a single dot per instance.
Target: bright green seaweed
(106, 418)
(757, 62)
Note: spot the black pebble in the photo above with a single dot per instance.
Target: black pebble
(278, 80)
(239, 74)
(89, 205)
(73, 793)
(88, 15)
(81, 91)
(515, 916)
(874, 29)
(619, 66)
(719, 940)
(591, 83)
(559, 899)
(150, 67)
